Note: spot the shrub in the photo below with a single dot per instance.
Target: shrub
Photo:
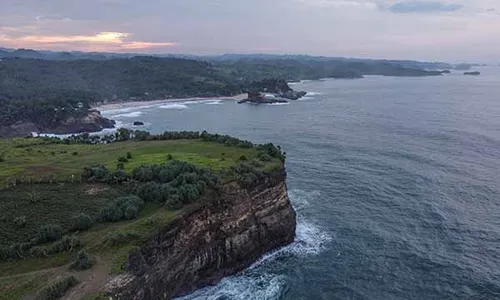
(243, 158)
(122, 159)
(129, 155)
(256, 163)
(117, 237)
(20, 221)
(120, 166)
(83, 261)
(49, 233)
(170, 157)
(82, 221)
(75, 153)
(265, 157)
(123, 208)
(66, 244)
(96, 173)
(56, 289)
(2, 159)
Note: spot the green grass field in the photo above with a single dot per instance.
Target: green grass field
(37, 162)
(62, 195)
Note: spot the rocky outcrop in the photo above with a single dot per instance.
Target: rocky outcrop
(475, 73)
(91, 122)
(220, 237)
(138, 123)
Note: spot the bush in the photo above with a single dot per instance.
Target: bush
(96, 173)
(2, 159)
(66, 244)
(123, 208)
(243, 158)
(129, 155)
(20, 221)
(82, 221)
(56, 289)
(122, 159)
(75, 153)
(170, 157)
(83, 261)
(120, 166)
(49, 233)
(265, 157)
(117, 237)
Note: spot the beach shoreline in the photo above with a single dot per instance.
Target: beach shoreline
(131, 104)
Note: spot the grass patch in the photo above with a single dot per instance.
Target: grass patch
(56, 204)
(57, 288)
(56, 161)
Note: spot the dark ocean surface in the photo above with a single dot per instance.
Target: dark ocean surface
(396, 182)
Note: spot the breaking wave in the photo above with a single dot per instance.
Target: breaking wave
(174, 106)
(134, 114)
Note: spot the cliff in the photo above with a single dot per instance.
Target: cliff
(90, 122)
(218, 238)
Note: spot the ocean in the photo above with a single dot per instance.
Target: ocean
(395, 182)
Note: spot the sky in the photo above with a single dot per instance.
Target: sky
(444, 30)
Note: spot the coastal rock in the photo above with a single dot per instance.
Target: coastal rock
(19, 129)
(259, 98)
(446, 72)
(138, 123)
(293, 95)
(475, 73)
(93, 121)
(217, 238)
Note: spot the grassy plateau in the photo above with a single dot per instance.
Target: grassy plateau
(41, 187)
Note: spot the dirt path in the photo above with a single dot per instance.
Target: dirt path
(91, 281)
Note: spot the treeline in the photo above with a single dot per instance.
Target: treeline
(124, 134)
(137, 78)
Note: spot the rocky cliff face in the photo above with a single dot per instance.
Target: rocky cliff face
(221, 237)
(91, 122)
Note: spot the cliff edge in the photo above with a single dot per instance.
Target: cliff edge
(217, 238)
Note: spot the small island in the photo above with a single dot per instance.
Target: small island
(271, 91)
(475, 73)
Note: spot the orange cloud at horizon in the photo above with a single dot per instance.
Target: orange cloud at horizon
(102, 41)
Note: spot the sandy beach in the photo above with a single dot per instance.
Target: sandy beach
(129, 104)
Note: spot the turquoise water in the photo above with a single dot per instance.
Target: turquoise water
(395, 181)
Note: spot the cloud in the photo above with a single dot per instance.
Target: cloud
(108, 41)
(417, 6)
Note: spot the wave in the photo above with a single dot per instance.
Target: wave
(258, 282)
(128, 115)
(313, 94)
(105, 131)
(174, 106)
(215, 102)
(305, 98)
(278, 104)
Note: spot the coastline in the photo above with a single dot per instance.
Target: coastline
(130, 104)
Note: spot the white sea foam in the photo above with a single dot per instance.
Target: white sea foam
(215, 102)
(105, 131)
(313, 94)
(174, 106)
(256, 282)
(277, 104)
(305, 98)
(134, 114)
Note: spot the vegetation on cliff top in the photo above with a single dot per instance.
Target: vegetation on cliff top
(86, 202)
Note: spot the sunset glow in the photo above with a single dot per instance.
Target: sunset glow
(102, 41)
